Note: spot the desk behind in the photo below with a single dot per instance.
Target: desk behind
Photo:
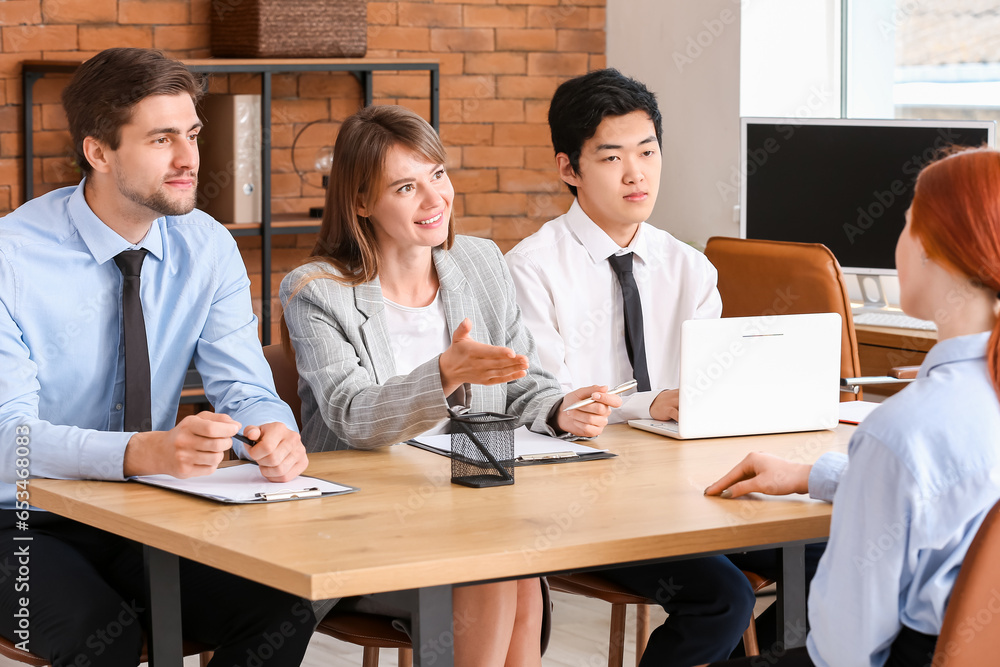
(883, 348)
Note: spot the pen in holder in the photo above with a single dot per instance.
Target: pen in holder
(482, 449)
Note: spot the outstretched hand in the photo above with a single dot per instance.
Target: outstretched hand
(467, 360)
(764, 473)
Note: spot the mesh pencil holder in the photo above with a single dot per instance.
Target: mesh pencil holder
(482, 449)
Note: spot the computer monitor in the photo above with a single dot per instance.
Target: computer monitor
(843, 183)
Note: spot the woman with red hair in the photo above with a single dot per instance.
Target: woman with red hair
(923, 470)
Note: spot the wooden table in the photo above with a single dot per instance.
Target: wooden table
(410, 530)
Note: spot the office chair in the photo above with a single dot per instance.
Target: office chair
(974, 592)
(10, 651)
(597, 587)
(367, 630)
(782, 278)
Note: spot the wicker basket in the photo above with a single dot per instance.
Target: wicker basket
(289, 28)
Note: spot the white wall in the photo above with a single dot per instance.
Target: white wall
(688, 53)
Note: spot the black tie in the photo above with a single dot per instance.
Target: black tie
(634, 341)
(138, 404)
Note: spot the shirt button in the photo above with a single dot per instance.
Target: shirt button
(118, 407)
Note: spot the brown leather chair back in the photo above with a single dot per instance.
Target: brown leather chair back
(976, 593)
(780, 278)
(286, 378)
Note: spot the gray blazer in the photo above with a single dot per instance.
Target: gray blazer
(351, 394)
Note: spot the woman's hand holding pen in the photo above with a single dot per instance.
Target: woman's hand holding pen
(467, 360)
(589, 420)
(278, 451)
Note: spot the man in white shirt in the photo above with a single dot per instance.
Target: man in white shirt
(598, 282)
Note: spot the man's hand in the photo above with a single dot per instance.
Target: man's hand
(193, 448)
(467, 360)
(590, 420)
(765, 473)
(664, 406)
(278, 452)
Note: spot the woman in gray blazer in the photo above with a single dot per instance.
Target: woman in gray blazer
(396, 319)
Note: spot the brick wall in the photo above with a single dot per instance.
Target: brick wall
(500, 62)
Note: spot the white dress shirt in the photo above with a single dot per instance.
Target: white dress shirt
(572, 303)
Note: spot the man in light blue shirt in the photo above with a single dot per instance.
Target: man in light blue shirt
(63, 371)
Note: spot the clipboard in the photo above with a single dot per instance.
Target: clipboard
(546, 449)
(244, 484)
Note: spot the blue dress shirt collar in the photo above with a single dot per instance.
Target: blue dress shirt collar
(102, 241)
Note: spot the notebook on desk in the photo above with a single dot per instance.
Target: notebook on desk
(755, 375)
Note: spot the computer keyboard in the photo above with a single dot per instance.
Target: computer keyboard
(892, 319)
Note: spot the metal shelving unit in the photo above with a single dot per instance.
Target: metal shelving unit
(269, 225)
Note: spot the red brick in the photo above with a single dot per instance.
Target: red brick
(286, 185)
(218, 84)
(13, 92)
(568, 64)
(105, 37)
(282, 135)
(521, 134)
(316, 136)
(340, 109)
(481, 226)
(597, 18)
(59, 170)
(420, 106)
(10, 171)
(474, 180)
(516, 228)
(3, 95)
(527, 87)
(530, 180)
(402, 85)
(456, 157)
(284, 85)
(534, 2)
(495, 17)
(52, 143)
(564, 16)
(468, 86)
(382, 13)
(157, 12)
(597, 61)
(451, 111)
(467, 134)
(91, 11)
(398, 37)
(462, 39)
(499, 62)
(18, 12)
(281, 160)
(537, 157)
(11, 144)
(329, 84)
(305, 157)
(298, 111)
(429, 16)
(458, 206)
(297, 205)
(492, 157)
(492, 111)
(201, 11)
(549, 205)
(587, 41)
(10, 119)
(5, 205)
(448, 63)
(242, 83)
(467, 2)
(536, 111)
(54, 117)
(181, 37)
(10, 63)
(495, 203)
(39, 38)
(532, 39)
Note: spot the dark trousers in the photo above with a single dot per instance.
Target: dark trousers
(909, 649)
(709, 603)
(87, 604)
(767, 563)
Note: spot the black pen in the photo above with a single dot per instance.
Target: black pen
(245, 440)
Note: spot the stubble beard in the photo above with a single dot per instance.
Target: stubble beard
(158, 201)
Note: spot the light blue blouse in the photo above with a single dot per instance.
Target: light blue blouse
(921, 473)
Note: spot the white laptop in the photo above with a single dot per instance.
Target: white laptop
(754, 375)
